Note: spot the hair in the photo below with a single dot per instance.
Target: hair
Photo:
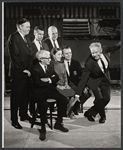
(55, 50)
(50, 29)
(95, 44)
(42, 53)
(66, 47)
(38, 28)
(21, 21)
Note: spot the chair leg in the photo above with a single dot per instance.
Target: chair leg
(33, 120)
(51, 117)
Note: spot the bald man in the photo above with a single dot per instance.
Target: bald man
(53, 41)
(45, 79)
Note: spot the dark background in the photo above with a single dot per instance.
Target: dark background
(78, 23)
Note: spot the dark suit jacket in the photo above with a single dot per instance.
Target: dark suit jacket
(92, 75)
(34, 48)
(21, 55)
(75, 72)
(59, 40)
(40, 87)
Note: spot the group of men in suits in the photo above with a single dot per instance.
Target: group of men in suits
(31, 60)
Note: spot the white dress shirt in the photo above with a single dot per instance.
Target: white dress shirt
(66, 66)
(56, 42)
(105, 62)
(37, 44)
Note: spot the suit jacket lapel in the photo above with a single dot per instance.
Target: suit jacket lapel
(22, 40)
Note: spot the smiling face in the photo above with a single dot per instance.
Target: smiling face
(58, 55)
(24, 28)
(67, 53)
(53, 33)
(44, 57)
(39, 34)
(96, 52)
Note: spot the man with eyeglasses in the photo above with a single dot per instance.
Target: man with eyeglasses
(45, 79)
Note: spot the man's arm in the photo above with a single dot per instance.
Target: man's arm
(79, 69)
(83, 81)
(112, 49)
(37, 79)
(13, 44)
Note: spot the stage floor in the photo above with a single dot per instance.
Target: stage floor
(82, 133)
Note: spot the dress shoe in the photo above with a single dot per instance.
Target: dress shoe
(60, 127)
(26, 118)
(37, 115)
(88, 116)
(72, 116)
(16, 125)
(76, 113)
(42, 135)
(102, 120)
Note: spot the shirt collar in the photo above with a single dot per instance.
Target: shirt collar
(37, 41)
(67, 61)
(21, 34)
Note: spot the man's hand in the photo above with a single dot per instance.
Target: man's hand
(60, 87)
(28, 72)
(85, 90)
(76, 99)
(45, 79)
(119, 43)
(67, 87)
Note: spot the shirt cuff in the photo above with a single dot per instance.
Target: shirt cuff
(77, 96)
(49, 80)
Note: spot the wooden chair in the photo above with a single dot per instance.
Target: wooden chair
(50, 115)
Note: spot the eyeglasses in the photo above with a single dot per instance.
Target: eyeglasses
(46, 58)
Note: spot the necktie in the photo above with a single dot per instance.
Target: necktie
(45, 69)
(25, 40)
(40, 46)
(68, 65)
(54, 44)
(104, 68)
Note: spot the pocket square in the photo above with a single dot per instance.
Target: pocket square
(53, 75)
(75, 72)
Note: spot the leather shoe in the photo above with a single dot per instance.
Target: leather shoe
(60, 127)
(42, 135)
(102, 120)
(72, 116)
(16, 125)
(76, 113)
(26, 118)
(88, 116)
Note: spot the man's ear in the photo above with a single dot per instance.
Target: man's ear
(19, 26)
(101, 50)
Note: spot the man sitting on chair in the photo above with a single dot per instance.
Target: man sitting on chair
(44, 82)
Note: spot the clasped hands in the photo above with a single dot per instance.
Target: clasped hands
(45, 79)
(28, 72)
(62, 87)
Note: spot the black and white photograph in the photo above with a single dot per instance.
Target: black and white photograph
(61, 74)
